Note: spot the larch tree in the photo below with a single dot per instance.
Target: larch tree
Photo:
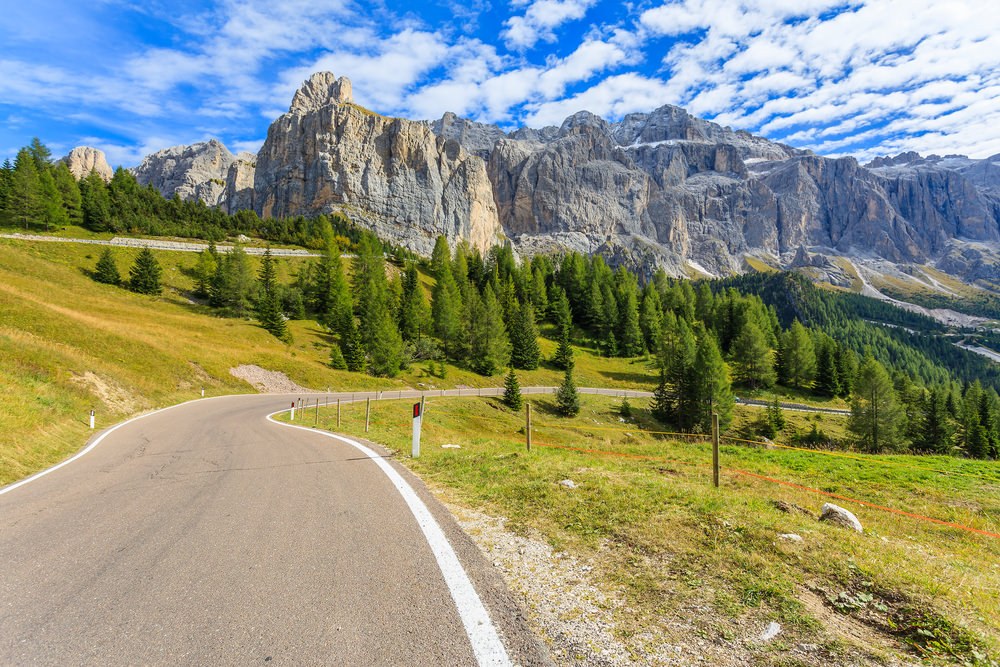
(876, 416)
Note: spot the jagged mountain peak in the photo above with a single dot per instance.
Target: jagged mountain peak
(321, 89)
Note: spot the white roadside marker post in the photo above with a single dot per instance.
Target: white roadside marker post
(91, 420)
(417, 411)
(203, 392)
(293, 411)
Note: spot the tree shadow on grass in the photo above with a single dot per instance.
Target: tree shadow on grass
(629, 376)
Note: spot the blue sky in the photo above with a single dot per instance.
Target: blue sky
(862, 78)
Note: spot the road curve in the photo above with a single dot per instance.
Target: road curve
(205, 534)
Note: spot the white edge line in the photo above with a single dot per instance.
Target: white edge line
(483, 636)
(101, 437)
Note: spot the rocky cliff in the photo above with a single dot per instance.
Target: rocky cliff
(83, 159)
(198, 171)
(393, 175)
(662, 188)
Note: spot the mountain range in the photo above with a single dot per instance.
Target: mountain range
(662, 188)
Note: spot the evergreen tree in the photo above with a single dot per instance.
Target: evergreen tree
(353, 348)
(440, 257)
(204, 272)
(651, 317)
(40, 154)
(234, 285)
(567, 398)
(487, 349)
(24, 199)
(53, 214)
(446, 309)
(144, 276)
(107, 269)
(524, 352)
(711, 385)
(563, 357)
(539, 292)
(376, 322)
(752, 358)
(631, 336)
(414, 314)
(876, 417)
(512, 391)
(625, 409)
(775, 416)
(935, 433)
(69, 194)
(329, 296)
(268, 305)
(95, 203)
(337, 360)
(798, 356)
(847, 369)
(680, 398)
(663, 404)
(827, 380)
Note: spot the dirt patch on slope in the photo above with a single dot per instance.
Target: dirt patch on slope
(265, 381)
(114, 397)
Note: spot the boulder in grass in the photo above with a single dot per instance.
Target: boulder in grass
(841, 517)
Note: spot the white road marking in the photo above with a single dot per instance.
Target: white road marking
(95, 443)
(486, 643)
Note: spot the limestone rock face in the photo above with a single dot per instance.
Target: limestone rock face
(703, 196)
(198, 171)
(239, 183)
(83, 159)
(394, 176)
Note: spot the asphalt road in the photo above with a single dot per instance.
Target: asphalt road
(206, 535)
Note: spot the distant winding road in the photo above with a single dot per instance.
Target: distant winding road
(205, 534)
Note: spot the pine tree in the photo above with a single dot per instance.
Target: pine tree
(106, 270)
(679, 402)
(798, 356)
(144, 276)
(567, 399)
(440, 257)
(512, 391)
(486, 347)
(775, 416)
(563, 357)
(827, 380)
(353, 348)
(625, 408)
(337, 360)
(69, 192)
(651, 317)
(876, 417)
(204, 272)
(446, 309)
(376, 320)
(662, 405)
(95, 203)
(711, 385)
(268, 305)
(524, 352)
(753, 363)
(629, 331)
(233, 284)
(53, 214)
(414, 314)
(935, 432)
(24, 199)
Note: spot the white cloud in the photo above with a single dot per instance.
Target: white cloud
(540, 20)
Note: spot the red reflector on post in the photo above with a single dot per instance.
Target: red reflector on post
(416, 410)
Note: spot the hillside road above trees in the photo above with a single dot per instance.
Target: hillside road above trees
(206, 534)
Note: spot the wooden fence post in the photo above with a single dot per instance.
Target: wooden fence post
(527, 425)
(715, 449)
(368, 411)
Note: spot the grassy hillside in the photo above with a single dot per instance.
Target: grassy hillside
(69, 345)
(668, 546)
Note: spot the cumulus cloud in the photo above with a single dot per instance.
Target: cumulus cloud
(540, 20)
